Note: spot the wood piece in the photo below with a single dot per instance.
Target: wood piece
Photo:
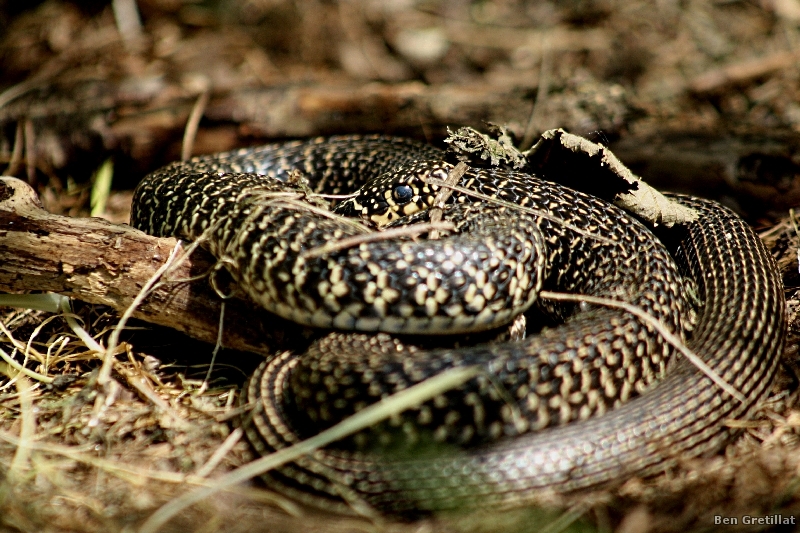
(592, 168)
(742, 72)
(102, 263)
(64, 121)
(304, 110)
(756, 172)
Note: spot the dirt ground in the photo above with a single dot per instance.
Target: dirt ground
(696, 96)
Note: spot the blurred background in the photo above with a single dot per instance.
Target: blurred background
(696, 95)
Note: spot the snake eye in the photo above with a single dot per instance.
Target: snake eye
(403, 193)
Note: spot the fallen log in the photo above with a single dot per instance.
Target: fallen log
(98, 262)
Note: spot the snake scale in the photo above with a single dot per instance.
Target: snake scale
(577, 406)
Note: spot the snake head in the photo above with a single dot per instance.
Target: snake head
(395, 194)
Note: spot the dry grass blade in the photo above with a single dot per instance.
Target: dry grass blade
(350, 242)
(220, 453)
(105, 370)
(667, 335)
(291, 200)
(110, 388)
(101, 187)
(79, 331)
(139, 382)
(335, 196)
(44, 302)
(542, 92)
(369, 416)
(793, 219)
(453, 177)
(569, 517)
(136, 475)
(22, 369)
(129, 22)
(26, 349)
(193, 122)
(15, 161)
(27, 430)
(512, 205)
(217, 348)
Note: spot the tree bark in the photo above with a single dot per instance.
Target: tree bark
(92, 260)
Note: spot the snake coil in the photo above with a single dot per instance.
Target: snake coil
(598, 370)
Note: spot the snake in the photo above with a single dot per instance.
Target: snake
(596, 396)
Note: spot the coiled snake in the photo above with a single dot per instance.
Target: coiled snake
(504, 436)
